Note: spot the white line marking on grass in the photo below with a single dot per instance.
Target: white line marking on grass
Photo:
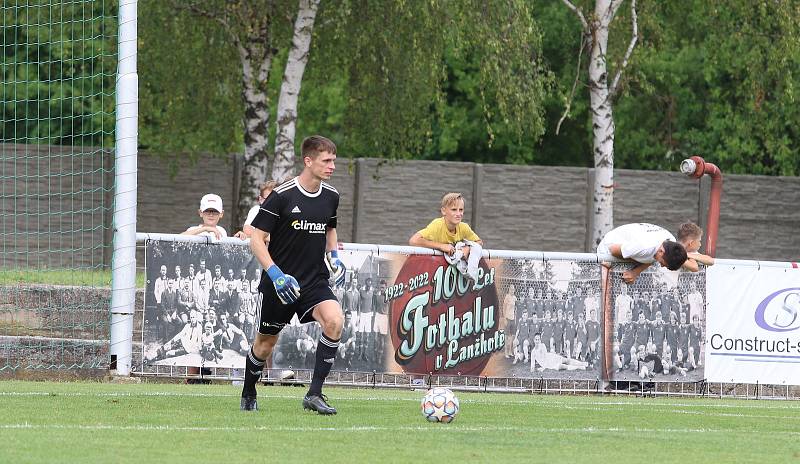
(122, 394)
(450, 428)
(650, 403)
(667, 411)
(492, 399)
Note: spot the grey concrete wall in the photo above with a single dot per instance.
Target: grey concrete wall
(168, 203)
(344, 180)
(664, 198)
(53, 206)
(760, 218)
(533, 207)
(510, 207)
(519, 207)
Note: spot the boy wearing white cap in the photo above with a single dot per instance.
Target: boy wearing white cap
(210, 212)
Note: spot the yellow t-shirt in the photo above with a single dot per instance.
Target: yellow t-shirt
(437, 231)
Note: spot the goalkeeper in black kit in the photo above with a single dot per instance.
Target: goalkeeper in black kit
(299, 219)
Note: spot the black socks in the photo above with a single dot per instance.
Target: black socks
(252, 373)
(326, 355)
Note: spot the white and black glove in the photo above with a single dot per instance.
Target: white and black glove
(335, 267)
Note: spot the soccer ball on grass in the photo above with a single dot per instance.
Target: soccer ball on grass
(439, 405)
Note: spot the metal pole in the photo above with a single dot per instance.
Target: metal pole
(123, 277)
(696, 167)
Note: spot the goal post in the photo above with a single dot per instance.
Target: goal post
(123, 293)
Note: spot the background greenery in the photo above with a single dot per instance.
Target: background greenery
(414, 79)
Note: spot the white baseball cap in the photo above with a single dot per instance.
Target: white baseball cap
(211, 201)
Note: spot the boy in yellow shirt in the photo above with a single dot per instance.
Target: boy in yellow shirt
(442, 233)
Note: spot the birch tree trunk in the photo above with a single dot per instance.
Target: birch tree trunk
(284, 163)
(256, 58)
(248, 25)
(602, 124)
(601, 106)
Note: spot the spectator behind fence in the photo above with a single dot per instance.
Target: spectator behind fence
(644, 244)
(210, 212)
(451, 236)
(690, 235)
(443, 233)
(263, 192)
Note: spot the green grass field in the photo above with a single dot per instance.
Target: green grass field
(79, 277)
(144, 423)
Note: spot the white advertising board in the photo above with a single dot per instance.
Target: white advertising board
(753, 325)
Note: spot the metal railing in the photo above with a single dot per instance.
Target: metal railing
(541, 384)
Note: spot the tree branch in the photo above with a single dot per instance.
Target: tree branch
(578, 12)
(199, 11)
(612, 10)
(574, 84)
(202, 12)
(634, 37)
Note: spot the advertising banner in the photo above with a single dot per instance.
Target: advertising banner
(753, 326)
(525, 318)
(509, 317)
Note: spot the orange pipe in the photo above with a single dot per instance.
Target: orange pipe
(696, 167)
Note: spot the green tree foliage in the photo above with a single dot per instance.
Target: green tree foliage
(189, 84)
(465, 124)
(716, 78)
(57, 71)
(439, 79)
(478, 80)
(561, 43)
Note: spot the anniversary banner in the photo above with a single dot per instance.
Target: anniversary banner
(443, 321)
(418, 314)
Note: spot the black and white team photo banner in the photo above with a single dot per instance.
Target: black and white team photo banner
(201, 304)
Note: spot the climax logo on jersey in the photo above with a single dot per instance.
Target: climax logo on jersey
(779, 311)
(308, 226)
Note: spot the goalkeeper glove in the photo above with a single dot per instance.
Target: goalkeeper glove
(335, 267)
(286, 286)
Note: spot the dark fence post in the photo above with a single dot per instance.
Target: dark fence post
(238, 160)
(477, 194)
(588, 245)
(359, 192)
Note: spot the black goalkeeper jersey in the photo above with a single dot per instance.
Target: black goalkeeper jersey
(297, 221)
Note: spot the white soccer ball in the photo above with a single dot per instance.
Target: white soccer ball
(439, 405)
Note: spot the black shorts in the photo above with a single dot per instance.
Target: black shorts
(275, 315)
